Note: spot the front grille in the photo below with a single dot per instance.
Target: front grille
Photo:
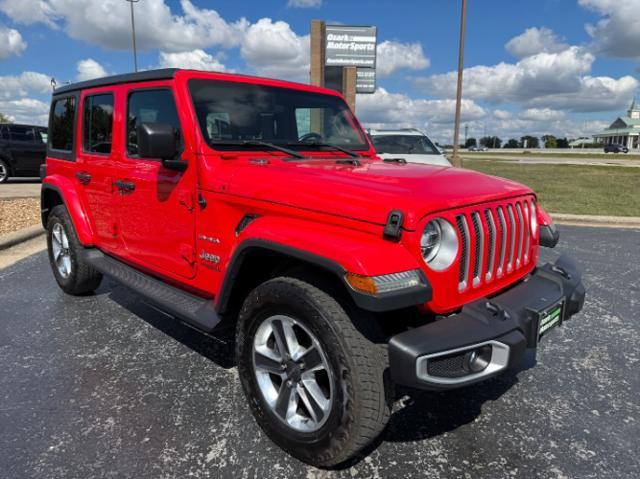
(494, 241)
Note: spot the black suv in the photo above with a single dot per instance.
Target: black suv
(22, 150)
(615, 148)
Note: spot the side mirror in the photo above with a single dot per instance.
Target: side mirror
(160, 140)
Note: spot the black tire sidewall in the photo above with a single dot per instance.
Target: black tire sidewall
(310, 447)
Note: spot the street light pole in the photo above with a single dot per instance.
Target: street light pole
(133, 33)
(457, 161)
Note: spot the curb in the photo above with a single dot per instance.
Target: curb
(12, 239)
(596, 221)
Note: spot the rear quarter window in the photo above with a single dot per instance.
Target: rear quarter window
(62, 127)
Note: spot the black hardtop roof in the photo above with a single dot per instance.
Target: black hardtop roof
(22, 124)
(148, 75)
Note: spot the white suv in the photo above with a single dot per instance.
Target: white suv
(409, 144)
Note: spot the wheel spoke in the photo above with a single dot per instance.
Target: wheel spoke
(314, 412)
(66, 261)
(284, 400)
(314, 399)
(279, 335)
(293, 346)
(312, 359)
(56, 235)
(267, 364)
(65, 240)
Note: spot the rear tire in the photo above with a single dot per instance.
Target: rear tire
(4, 171)
(359, 399)
(72, 273)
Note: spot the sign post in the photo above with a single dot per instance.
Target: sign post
(344, 58)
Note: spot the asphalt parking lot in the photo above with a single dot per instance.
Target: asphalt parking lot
(106, 386)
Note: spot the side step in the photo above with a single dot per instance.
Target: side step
(196, 311)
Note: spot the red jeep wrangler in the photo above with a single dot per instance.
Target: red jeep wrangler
(227, 199)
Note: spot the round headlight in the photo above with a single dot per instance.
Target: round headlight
(439, 244)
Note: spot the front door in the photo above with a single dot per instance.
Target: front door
(157, 205)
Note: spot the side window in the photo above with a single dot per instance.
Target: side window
(21, 133)
(149, 106)
(62, 116)
(97, 122)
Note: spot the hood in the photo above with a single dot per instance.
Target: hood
(367, 192)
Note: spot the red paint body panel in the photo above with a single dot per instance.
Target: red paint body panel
(332, 210)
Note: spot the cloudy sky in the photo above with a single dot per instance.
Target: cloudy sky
(563, 67)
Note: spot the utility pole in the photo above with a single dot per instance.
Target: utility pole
(133, 33)
(456, 160)
(466, 133)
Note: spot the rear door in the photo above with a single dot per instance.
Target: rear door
(157, 212)
(97, 161)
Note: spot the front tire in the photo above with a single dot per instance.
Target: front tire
(72, 273)
(313, 379)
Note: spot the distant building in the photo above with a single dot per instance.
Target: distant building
(625, 130)
(580, 142)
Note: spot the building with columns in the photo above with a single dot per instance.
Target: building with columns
(625, 130)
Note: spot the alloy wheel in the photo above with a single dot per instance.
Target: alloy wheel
(60, 250)
(293, 373)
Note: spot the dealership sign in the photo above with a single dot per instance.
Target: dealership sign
(353, 47)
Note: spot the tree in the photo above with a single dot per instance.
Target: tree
(512, 143)
(470, 142)
(529, 141)
(550, 141)
(562, 143)
(4, 118)
(491, 141)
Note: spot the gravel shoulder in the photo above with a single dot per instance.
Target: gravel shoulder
(18, 213)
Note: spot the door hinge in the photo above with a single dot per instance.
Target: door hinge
(185, 198)
(187, 253)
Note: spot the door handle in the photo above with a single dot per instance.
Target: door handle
(125, 186)
(83, 177)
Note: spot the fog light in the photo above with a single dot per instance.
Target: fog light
(478, 359)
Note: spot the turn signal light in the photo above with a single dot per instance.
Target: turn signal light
(385, 283)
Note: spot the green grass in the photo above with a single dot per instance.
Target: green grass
(532, 154)
(583, 190)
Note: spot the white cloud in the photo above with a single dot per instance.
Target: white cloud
(533, 41)
(502, 114)
(618, 33)
(26, 110)
(542, 114)
(545, 80)
(304, 3)
(397, 110)
(29, 11)
(540, 74)
(273, 49)
(394, 56)
(195, 59)
(107, 23)
(13, 86)
(89, 69)
(11, 42)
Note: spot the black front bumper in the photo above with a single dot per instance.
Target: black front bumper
(508, 323)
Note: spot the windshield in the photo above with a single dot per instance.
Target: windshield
(231, 112)
(404, 144)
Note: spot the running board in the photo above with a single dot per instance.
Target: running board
(198, 312)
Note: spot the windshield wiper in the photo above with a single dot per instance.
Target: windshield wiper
(318, 144)
(266, 144)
